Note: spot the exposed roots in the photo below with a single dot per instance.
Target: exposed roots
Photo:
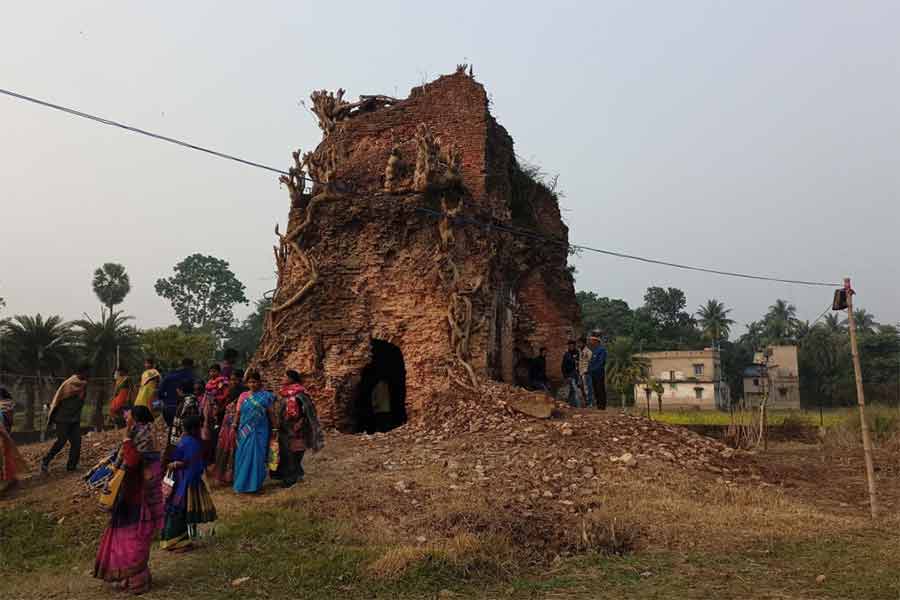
(459, 310)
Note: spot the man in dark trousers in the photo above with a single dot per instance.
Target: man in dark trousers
(179, 379)
(597, 369)
(570, 372)
(65, 413)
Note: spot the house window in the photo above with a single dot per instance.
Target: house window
(699, 392)
(698, 369)
(755, 382)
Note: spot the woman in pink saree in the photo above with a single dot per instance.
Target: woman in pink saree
(124, 554)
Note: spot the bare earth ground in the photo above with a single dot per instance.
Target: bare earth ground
(513, 508)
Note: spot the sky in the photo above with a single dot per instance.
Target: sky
(759, 137)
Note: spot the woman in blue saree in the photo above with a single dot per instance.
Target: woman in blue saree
(253, 427)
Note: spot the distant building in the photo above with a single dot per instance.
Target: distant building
(692, 379)
(776, 369)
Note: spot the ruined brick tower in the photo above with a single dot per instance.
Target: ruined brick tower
(386, 270)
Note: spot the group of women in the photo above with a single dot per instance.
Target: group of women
(242, 434)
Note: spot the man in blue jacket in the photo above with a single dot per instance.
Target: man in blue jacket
(597, 369)
(167, 394)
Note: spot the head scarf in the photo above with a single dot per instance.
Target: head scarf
(141, 435)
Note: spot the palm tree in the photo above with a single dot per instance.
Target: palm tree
(865, 321)
(624, 368)
(111, 284)
(780, 322)
(103, 341)
(38, 346)
(714, 321)
(834, 324)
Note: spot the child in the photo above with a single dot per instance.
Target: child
(189, 503)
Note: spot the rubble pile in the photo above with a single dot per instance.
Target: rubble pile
(560, 463)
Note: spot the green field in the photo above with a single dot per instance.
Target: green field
(830, 418)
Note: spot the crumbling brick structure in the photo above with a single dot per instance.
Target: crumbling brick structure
(388, 270)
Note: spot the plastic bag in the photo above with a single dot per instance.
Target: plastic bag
(273, 454)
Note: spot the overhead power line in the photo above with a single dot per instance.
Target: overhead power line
(157, 136)
(513, 230)
(653, 261)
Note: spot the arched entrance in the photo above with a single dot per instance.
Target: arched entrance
(379, 403)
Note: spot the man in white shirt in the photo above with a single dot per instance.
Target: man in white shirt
(584, 361)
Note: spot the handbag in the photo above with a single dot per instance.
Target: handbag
(112, 489)
(168, 484)
(102, 472)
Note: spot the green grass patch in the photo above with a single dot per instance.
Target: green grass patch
(32, 541)
(283, 550)
(710, 417)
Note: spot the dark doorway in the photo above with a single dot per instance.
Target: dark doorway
(385, 366)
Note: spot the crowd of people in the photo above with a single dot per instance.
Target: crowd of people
(583, 369)
(229, 429)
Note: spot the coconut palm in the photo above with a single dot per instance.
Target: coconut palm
(834, 324)
(865, 321)
(714, 321)
(111, 284)
(37, 347)
(103, 342)
(781, 322)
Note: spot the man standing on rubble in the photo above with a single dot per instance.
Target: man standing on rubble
(597, 369)
(570, 372)
(584, 371)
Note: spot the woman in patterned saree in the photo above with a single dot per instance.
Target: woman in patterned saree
(190, 503)
(253, 427)
(124, 554)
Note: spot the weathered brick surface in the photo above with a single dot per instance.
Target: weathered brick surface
(383, 272)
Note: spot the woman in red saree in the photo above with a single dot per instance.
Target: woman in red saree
(11, 462)
(227, 442)
(124, 554)
(212, 408)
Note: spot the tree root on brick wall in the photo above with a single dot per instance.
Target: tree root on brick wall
(287, 253)
(459, 311)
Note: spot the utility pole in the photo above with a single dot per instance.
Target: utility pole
(861, 400)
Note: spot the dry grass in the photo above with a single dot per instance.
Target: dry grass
(679, 511)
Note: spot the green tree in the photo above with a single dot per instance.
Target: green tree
(880, 354)
(865, 321)
(825, 366)
(780, 323)
(168, 345)
(713, 320)
(675, 328)
(101, 341)
(38, 347)
(111, 284)
(203, 293)
(245, 337)
(833, 323)
(624, 368)
(612, 316)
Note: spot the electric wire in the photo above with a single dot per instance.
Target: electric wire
(459, 219)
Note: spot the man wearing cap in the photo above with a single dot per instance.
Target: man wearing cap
(597, 369)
